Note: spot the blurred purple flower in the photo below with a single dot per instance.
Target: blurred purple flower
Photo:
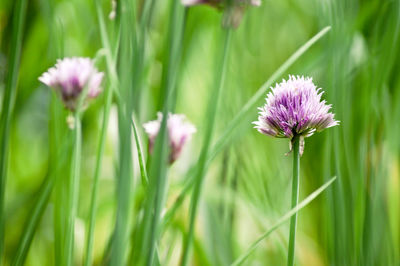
(294, 109)
(200, 2)
(70, 76)
(233, 9)
(179, 132)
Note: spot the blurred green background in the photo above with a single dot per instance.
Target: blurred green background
(247, 187)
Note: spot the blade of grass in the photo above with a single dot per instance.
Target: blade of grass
(140, 39)
(10, 94)
(211, 113)
(99, 157)
(103, 134)
(142, 164)
(124, 191)
(158, 167)
(282, 220)
(157, 188)
(120, 242)
(57, 135)
(105, 42)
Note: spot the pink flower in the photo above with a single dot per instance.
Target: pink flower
(179, 133)
(70, 76)
(294, 108)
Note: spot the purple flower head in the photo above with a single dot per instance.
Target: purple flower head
(233, 9)
(179, 132)
(294, 109)
(70, 76)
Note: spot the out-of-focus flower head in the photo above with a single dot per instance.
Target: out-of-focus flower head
(294, 109)
(113, 12)
(179, 133)
(233, 9)
(70, 76)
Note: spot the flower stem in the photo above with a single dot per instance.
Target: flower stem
(295, 199)
(73, 188)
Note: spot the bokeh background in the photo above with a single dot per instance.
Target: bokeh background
(247, 187)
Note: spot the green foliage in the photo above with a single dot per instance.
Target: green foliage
(132, 207)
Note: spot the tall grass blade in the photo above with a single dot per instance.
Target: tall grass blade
(142, 164)
(158, 167)
(10, 94)
(120, 241)
(103, 134)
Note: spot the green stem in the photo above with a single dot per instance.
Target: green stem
(95, 188)
(211, 112)
(124, 184)
(295, 199)
(142, 164)
(158, 178)
(10, 94)
(73, 188)
(103, 134)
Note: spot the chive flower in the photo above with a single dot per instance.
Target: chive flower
(294, 109)
(233, 9)
(70, 76)
(179, 129)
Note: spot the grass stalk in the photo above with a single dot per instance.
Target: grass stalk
(124, 182)
(95, 186)
(10, 94)
(158, 167)
(211, 113)
(103, 135)
(142, 164)
(124, 191)
(295, 199)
